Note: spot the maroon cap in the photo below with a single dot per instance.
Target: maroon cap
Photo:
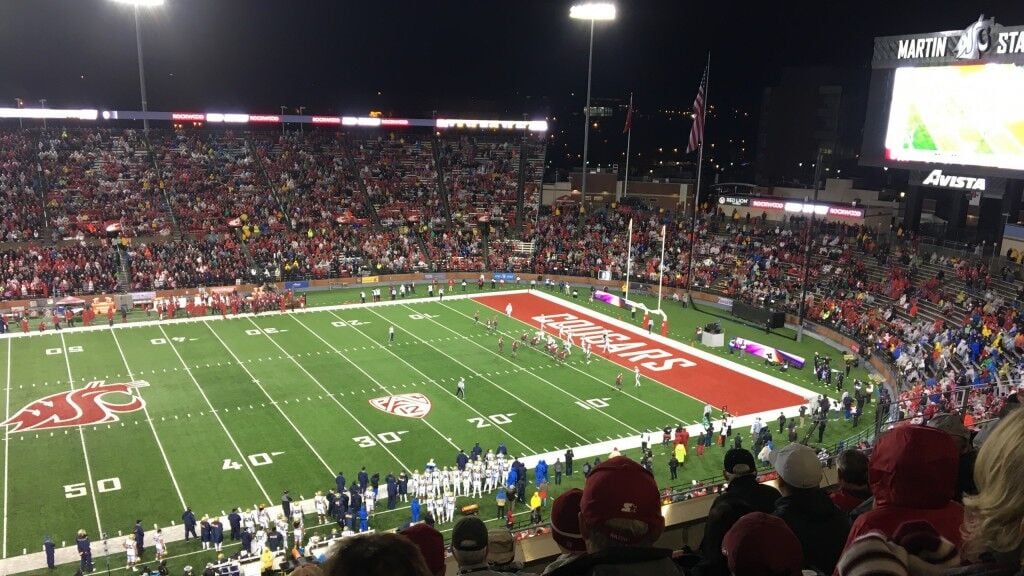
(760, 544)
(565, 521)
(431, 545)
(621, 488)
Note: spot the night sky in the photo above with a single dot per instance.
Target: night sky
(487, 57)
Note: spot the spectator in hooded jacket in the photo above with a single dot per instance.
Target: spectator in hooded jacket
(913, 472)
(852, 469)
(806, 508)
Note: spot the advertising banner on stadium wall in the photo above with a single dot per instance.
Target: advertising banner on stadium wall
(370, 279)
(767, 352)
(795, 206)
(981, 42)
(439, 276)
(506, 276)
(299, 285)
(143, 297)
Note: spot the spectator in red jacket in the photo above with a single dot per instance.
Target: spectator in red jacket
(913, 474)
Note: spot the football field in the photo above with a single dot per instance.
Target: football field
(106, 426)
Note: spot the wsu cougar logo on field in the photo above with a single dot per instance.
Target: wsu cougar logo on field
(77, 407)
(412, 405)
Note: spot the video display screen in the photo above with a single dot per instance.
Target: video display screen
(967, 115)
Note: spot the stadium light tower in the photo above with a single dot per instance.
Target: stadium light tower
(138, 44)
(592, 11)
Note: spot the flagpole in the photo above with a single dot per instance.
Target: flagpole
(629, 255)
(700, 166)
(629, 137)
(661, 265)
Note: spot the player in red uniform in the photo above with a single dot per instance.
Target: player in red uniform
(515, 348)
(110, 315)
(282, 304)
(24, 324)
(501, 344)
(618, 382)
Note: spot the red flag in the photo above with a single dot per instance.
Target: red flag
(629, 116)
(697, 132)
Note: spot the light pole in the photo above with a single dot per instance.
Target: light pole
(42, 104)
(283, 127)
(592, 11)
(138, 45)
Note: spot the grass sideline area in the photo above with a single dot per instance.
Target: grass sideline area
(309, 378)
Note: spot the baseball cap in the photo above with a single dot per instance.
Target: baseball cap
(619, 488)
(739, 461)
(469, 534)
(501, 547)
(431, 545)
(798, 465)
(950, 424)
(565, 521)
(760, 544)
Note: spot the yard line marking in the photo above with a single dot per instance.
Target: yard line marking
(474, 372)
(587, 374)
(145, 411)
(403, 361)
(81, 434)
(331, 395)
(330, 470)
(231, 438)
(7, 441)
(365, 373)
(541, 378)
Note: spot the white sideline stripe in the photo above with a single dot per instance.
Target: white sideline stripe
(7, 442)
(587, 374)
(532, 373)
(707, 357)
(375, 381)
(81, 434)
(218, 317)
(216, 415)
(276, 405)
(493, 383)
(421, 373)
(333, 398)
(152, 427)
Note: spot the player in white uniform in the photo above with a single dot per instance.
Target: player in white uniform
(491, 480)
(636, 376)
(297, 529)
(414, 483)
(320, 505)
(460, 388)
(258, 542)
(448, 501)
(508, 309)
(467, 479)
(282, 528)
(131, 552)
(478, 480)
(370, 500)
(586, 350)
(249, 521)
(604, 343)
(159, 544)
(435, 483)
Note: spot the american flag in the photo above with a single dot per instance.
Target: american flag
(697, 132)
(629, 116)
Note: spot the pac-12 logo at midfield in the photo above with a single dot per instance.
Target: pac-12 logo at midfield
(81, 407)
(413, 405)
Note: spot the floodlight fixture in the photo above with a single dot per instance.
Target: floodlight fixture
(593, 11)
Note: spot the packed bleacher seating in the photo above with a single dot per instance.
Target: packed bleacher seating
(21, 182)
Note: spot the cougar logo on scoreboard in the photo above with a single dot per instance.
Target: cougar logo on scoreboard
(80, 407)
(412, 405)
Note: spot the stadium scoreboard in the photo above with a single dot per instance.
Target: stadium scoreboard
(947, 105)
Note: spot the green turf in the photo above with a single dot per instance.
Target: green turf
(291, 397)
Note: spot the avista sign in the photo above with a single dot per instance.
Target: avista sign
(938, 179)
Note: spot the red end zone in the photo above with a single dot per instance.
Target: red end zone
(706, 381)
